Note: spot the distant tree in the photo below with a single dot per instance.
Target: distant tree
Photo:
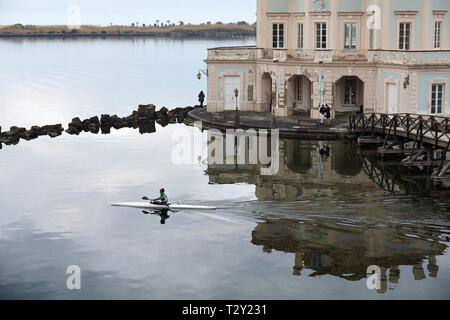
(218, 22)
(157, 23)
(181, 23)
(132, 24)
(168, 22)
(143, 25)
(242, 23)
(208, 22)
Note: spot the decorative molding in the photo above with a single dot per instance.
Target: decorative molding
(439, 13)
(406, 14)
(349, 13)
(277, 14)
(320, 13)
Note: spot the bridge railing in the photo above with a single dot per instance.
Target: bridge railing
(411, 126)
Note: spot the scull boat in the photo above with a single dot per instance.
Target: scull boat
(148, 205)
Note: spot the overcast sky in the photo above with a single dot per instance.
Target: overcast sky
(104, 12)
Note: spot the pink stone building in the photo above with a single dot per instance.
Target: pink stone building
(391, 56)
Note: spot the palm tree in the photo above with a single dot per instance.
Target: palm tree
(168, 22)
(157, 22)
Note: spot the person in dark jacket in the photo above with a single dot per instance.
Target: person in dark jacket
(328, 113)
(201, 98)
(322, 114)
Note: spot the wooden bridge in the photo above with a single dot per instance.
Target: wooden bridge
(422, 140)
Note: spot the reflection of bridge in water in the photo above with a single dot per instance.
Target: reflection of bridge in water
(309, 168)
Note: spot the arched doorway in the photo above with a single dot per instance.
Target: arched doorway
(298, 93)
(348, 94)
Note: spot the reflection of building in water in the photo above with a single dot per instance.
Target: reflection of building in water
(347, 251)
(316, 168)
(306, 169)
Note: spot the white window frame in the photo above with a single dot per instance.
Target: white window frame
(276, 37)
(400, 35)
(445, 86)
(352, 36)
(321, 23)
(437, 43)
(435, 99)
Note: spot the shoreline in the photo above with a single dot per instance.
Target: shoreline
(126, 35)
(219, 31)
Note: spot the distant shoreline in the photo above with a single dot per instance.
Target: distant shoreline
(178, 32)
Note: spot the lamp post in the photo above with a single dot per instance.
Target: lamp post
(236, 118)
(200, 71)
(236, 94)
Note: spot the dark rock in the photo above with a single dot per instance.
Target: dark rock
(147, 111)
(105, 119)
(106, 129)
(163, 122)
(93, 128)
(148, 127)
(94, 120)
(163, 110)
(76, 123)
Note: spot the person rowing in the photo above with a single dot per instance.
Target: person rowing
(162, 199)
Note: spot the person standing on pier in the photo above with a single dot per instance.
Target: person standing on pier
(328, 114)
(322, 114)
(201, 98)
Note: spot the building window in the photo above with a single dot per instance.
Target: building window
(437, 91)
(404, 36)
(350, 91)
(278, 35)
(437, 34)
(321, 35)
(300, 35)
(298, 91)
(350, 36)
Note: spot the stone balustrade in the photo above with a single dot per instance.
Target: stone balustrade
(251, 53)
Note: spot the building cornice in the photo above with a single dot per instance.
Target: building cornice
(406, 14)
(320, 13)
(439, 13)
(277, 14)
(349, 13)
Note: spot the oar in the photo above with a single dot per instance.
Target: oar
(145, 198)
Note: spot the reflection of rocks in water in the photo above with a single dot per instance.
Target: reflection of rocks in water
(347, 251)
(144, 119)
(13, 136)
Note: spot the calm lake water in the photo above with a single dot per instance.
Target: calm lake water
(308, 232)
